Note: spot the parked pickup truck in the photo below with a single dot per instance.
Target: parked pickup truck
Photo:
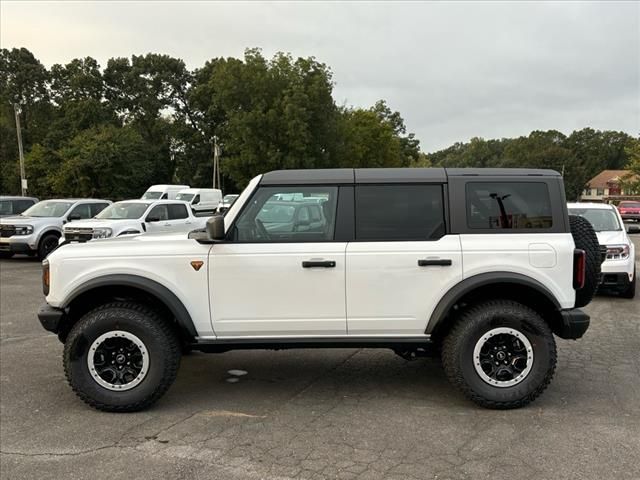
(133, 217)
(482, 266)
(37, 230)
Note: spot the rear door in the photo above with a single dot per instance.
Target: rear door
(179, 220)
(402, 260)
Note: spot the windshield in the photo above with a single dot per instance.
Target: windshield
(151, 195)
(123, 211)
(276, 213)
(185, 197)
(48, 208)
(602, 220)
(629, 205)
(229, 198)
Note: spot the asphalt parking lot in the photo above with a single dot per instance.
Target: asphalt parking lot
(351, 413)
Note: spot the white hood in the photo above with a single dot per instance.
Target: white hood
(612, 237)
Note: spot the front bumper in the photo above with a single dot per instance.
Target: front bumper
(18, 244)
(630, 216)
(615, 281)
(50, 317)
(573, 325)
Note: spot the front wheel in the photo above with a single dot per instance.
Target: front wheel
(500, 354)
(47, 244)
(121, 357)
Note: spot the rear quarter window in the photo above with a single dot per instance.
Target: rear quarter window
(508, 205)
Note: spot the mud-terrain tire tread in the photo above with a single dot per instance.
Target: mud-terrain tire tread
(462, 329)
(585, 239)
(156, 325)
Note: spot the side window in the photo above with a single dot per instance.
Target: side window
(177, 211)
(399, 212)
(196, 200)
(508, 205)
(96, 208)
(159, 212)
(82, 211)
(164, 196)
(286, 214)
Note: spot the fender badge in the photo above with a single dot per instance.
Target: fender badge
(197, 264)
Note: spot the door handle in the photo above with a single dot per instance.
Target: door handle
(318, 263)
(442, 262)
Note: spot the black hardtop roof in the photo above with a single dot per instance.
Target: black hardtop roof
(392, 175)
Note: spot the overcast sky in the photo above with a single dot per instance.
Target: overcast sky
(454, 70)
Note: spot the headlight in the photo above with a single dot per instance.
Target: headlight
(102, 232)
(617, 252)
(24, 229)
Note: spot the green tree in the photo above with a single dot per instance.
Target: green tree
(631, 182)
(105, 162)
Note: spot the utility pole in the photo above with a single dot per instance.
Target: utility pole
(216, 163)
(23, 180)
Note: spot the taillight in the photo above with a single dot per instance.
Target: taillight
(579, 268)
(46, 277)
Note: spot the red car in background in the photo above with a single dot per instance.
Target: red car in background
(629, 210)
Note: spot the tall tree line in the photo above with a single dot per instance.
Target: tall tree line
(111, 131)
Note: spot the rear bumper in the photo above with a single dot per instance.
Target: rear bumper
(50, 317)
(573, 325)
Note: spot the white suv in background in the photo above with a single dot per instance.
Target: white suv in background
(618, 269)
(37, 229)
(134, 216)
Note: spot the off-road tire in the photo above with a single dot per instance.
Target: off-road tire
(630, 291)
(6, 254)
(585, 239)
(45, 243)
(151, 328)
(471, 325)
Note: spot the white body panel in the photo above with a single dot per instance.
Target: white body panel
(165, 259)
(387, 292)
(209, 198)
(262, 289)
(166, 192)
(545, 257)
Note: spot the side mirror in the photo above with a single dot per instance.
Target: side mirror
(74, 216)
(633, 229)
(215, 227)
(152, 219)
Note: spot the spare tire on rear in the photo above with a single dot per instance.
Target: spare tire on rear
(585, 239)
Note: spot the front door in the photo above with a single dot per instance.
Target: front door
(280, 273)
(401, 262)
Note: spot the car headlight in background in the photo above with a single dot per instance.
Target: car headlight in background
(102, 232)
(617, 252)
(24, 229)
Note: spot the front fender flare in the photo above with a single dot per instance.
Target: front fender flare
(173, 303)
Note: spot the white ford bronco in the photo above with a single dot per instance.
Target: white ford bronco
(480, 266)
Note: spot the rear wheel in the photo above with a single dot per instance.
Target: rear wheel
(121, 357)
(500, 354)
